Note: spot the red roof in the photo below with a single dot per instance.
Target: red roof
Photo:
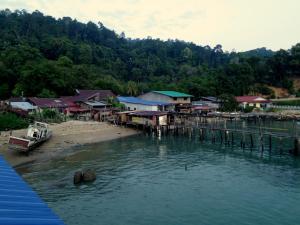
(48, 102)
(84, 95)
(251, 99)
(68, 101)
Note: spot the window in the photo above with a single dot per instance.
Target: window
(134, 108)
(175, 98)
(185, 98)
(128, 108)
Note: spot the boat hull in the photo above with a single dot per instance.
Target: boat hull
(25, 145)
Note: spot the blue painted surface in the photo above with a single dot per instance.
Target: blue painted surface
(19, 204)
(140, 101)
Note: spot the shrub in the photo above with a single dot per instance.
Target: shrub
(49, 114)
(248, 109)
(10, 121)
(228, 103)
(288, 103)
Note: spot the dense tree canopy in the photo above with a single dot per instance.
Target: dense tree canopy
(44, 56)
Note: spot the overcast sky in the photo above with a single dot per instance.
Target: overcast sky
(235, 24)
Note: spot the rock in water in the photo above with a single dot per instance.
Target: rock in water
(78, 177)
(89, 175)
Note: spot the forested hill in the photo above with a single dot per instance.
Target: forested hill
(44, 56)
(258, 52)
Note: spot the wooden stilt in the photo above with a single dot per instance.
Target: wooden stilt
(251, 142)
(270, 143)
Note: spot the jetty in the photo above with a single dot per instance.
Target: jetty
(252, 130)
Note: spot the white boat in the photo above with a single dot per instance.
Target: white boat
(36, 135)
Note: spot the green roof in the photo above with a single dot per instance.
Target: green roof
(173, 94)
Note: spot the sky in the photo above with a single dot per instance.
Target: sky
(235, 24)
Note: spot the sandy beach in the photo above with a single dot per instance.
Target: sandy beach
(65, 136)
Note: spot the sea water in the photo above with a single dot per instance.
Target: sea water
(146, 180)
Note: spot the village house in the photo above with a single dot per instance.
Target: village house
(88, 104)
(181, 101)
(167, 96)
(20, 103)
(89, 98)
(148, 118)
(94, 95)
(48, 103)
(133, 103)
(252, 101)
(210, 101)
(206, 104)
(26, 106)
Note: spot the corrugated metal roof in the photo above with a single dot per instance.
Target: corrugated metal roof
(251, 99)
(95, 103)
(48, 102)
(148, 113)
(134, 100)
(210, 98)
(23, 105)
(175, 94)
(19, 204)
(85, 95)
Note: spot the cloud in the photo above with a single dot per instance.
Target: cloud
(233, 23)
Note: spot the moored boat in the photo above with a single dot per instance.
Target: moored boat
(36, 135)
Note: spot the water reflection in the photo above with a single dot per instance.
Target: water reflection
(172, 180)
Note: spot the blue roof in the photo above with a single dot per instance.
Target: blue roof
(140, 101)
(19, 204)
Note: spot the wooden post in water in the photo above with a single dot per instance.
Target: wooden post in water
(221, 136)
(262, 143)
(270, 143)
(251, 142)
(201, 134)
(243, 141)
(280, 145)
(213, 136)
(227, 137)
(296, 150)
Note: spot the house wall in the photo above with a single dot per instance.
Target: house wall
(245, 104)
(152, 96)
(208, 103)
(163, 120)
(143, 120)
(131, 106)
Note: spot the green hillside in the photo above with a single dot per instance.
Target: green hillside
(44, 56)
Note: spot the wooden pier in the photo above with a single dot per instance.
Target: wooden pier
(230, 130)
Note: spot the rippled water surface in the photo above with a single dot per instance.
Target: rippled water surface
(143, 180)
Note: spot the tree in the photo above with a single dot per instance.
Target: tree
(228, 103)
(45, 93)
(4, 91)
(132, 88)
(41, 55)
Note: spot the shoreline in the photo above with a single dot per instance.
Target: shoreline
(66, 137)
